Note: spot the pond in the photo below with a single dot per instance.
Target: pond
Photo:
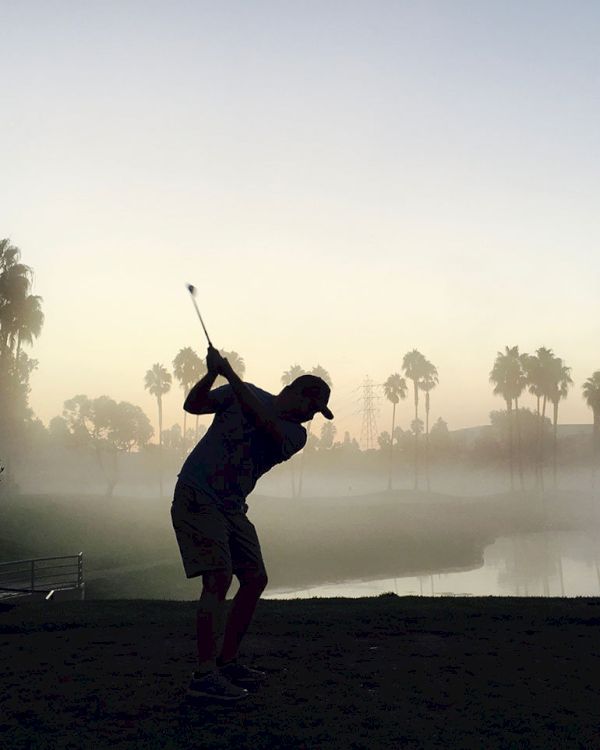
(536, 564)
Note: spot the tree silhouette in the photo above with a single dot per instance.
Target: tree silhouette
(414, 365)
(559, 382)
(394, 389)
(509, 380)
(186, 366)
(591, 394)
(108, 428)
(328, 432)
(158, 382)
(321, 372)
(427, 383)
(290, 375)
(21, 321)
(543, 371)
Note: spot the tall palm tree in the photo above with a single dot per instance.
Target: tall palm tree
(15, 281)
(394, 389)
(185, 367)
(591, 394)
(158, 382)
(414, 365)
(509, 380)
(427, 383)
(559, 382)
(545, 371)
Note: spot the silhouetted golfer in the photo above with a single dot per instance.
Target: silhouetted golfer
(251, 432)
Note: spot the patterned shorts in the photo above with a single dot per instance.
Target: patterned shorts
(212, 539)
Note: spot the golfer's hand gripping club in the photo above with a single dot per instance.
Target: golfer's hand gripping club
(215, 363)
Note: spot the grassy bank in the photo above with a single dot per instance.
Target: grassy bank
(130, 549)
(386, 672)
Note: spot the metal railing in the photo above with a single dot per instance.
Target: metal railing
(42, 575)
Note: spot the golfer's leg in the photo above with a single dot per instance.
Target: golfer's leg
(252, 584)
(209, 617)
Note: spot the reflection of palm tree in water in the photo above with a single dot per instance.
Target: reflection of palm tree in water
(527, 564)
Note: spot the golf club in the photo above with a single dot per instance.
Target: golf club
(192, 291)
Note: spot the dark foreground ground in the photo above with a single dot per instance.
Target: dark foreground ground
(384, 672)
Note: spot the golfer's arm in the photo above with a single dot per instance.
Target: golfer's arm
(253, 408)
(198, 399)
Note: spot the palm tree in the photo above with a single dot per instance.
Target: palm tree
(559, 387)
(237, 363)
(394, 389)
(509, 381)
(290, 375)
(28, 323)
(414, 365)
(158, 382)
(545, 375)
(15, 280)
(427, 383)
(591, 394)
(185, 367)
(321, 372)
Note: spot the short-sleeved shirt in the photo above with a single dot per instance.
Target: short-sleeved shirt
(234, 454)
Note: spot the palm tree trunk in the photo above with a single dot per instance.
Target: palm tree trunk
(392, 448)
(537, 443)
(554, 440)
(416, 485)
(519, 446)
(542, 431)
(160, 485)
(595, 447)
(510, 443)
(427, 440)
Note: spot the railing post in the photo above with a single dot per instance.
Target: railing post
(32, 576)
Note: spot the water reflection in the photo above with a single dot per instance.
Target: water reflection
(538, 564)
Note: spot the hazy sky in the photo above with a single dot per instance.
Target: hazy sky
(342, 181)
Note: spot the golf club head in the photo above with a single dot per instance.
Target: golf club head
(191, 289)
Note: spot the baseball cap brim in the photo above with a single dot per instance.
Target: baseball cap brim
(327, 413)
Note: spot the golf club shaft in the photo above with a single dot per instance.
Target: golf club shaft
(200, 316)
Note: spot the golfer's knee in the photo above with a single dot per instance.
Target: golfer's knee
(253, 579)
(216, 584)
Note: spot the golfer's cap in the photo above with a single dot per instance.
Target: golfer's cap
(311, 385)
